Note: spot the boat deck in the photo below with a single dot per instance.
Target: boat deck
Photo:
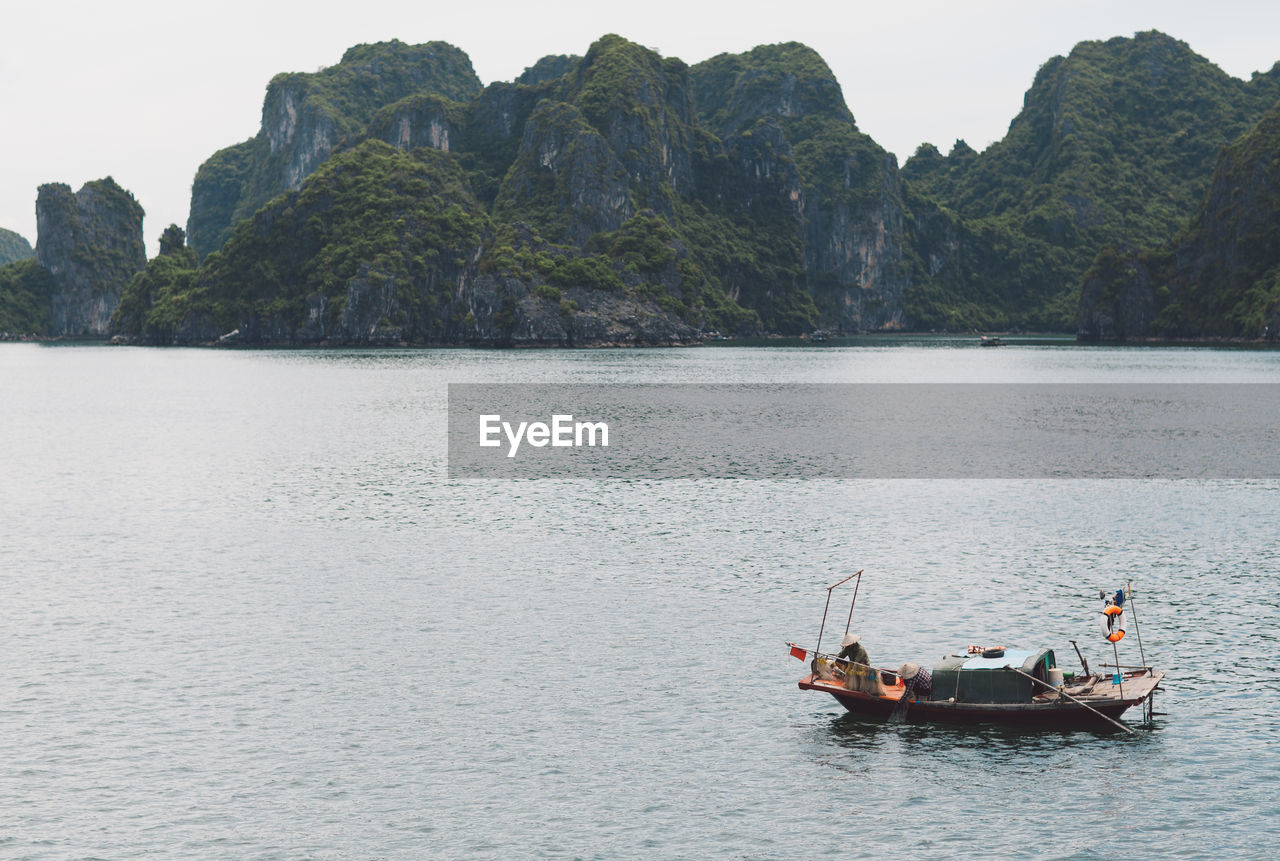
(1135, 686)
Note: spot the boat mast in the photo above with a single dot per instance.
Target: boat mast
(828, 607)
(848, 622)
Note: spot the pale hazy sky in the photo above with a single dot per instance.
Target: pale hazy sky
(146, 91)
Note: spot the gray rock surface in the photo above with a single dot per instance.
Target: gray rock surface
(91, 242)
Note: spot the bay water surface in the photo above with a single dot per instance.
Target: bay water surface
(246, 614)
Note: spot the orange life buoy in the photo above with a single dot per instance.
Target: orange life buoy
(1111, 623)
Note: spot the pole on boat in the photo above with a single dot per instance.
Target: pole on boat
(821, 628)
(1119, 672)
(1136, 631)
(849, 621)
(1073, 699)
(818, 648)
(1083, 662)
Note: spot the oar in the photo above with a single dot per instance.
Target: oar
(1073, 699)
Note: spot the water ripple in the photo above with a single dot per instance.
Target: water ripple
(246, 615)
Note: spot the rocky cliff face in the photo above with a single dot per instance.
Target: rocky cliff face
(565, 178)
(489, 310)
(611, 136)
(1117, 299)
(856, 250)
(783, 120)
(91, 243)
(307, 117)
(422, 120)
(300, 132)
(1220, 278)
(642, 105)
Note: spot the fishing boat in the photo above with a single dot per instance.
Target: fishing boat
(990, 684)
(990, 341)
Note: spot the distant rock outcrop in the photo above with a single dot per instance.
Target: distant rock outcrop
(613, 138)
(91, 243)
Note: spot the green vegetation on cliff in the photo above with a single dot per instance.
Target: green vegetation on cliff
(1220, 277)
(549, 68)
(1115, 144)
(26, 291)
(607, 141)
(156, 300)
(308, 116)
(14, 247)
(565, 182)
(219, 197)
(405, 216)
(789, 80)
(370, 76)
(387, 245)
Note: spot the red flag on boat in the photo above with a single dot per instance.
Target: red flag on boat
(797, 652)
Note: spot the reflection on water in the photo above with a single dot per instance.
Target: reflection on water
(996, 742)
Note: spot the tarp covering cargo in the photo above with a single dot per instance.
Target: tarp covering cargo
(975, 679)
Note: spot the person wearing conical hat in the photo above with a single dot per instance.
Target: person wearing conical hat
(851, 649)
(859, 675)
(918, 680)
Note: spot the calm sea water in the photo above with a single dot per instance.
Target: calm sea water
(245, 614)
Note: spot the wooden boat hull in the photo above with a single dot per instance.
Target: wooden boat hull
(1046, 710)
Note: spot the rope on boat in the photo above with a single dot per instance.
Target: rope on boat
(1073, 699)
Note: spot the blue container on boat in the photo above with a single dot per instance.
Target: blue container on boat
(1115, 677)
